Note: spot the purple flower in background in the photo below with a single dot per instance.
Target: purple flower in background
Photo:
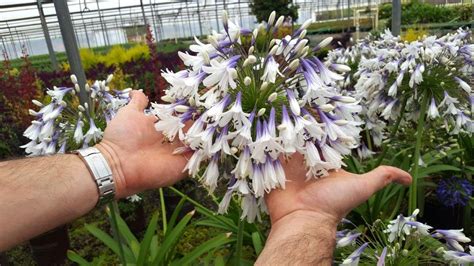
(454, 191)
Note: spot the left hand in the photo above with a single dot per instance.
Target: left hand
(139, 156)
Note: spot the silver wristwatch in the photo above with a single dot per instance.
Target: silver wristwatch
(100, 170)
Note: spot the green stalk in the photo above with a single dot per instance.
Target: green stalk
(412, 200)
(240, 239)
(114, 212)
(393, 132)
(163, 211)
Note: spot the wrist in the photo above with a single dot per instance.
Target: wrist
(115, 165)
(307, 221)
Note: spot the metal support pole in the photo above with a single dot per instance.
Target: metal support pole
(84, 24)
(5, 50)
(102, 24)
(47, 37)
(70, 43)
(143, 13)
(396, 17)
(199, 17)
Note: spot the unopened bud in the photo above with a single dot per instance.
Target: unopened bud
(281, 127)
(74, 79)
(181, 108)
(303, 34)
(341, 122)
(251, 50)
(306, 24)
(213, 41)
(272, 42)
(273, 50)
(81, 108)
(233, 150)
(272, 97)
(88, 88)
(225, 17)
(77, 88)
(279, 21)
(247, 81)
(271, 18)
(233, 73)
(37, 103)
(264, 85)
(294, 64)
(167, 98)
(327, 107)
(346, 99)
(32, 112)
(301, 44)
(63, 103)
(261, 111)
(325, 42)
(109, 78)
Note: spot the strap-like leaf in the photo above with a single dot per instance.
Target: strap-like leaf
(73, 256)
(171, 239)
(110, 242)
(436, 168)
(215, 242)
(257, 242)
(145, 245)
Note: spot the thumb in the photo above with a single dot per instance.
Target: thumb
(139, 100)
(384, 175)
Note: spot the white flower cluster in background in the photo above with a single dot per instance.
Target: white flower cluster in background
(256, 99)
(433, 73)
(403, 239)
(63, 124)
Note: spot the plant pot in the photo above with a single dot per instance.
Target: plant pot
(50, 248)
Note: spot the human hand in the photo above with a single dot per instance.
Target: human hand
(139, 156)
(329, 198)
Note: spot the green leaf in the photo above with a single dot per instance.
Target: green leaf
(109, 242)
(73, 256)
(219, 261)
(175, 214)
(170, 240)
(423, 172)
(215, 242)
(147, 239)
(257, 242)
(124, 231)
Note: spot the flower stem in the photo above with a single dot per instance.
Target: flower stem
(163, 210)
(114, 212)
(412, 200)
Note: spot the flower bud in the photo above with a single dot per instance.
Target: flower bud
(303, 34)
(281, 127)
(251, 49)
(255, 33)
(306, 24)
(233, 150)
(279, 21)
(32, 112)
(86, 105)
(346, 99)
(37, 103)
(273, 50)
(327, 107)
(261, 111)
(250, 60)
(247, 81)
(167, 98)
(74, 79)
(264, 85)
(233, 73)
(225, 18)
(109, 78)
(325, 42)
(301, 44)
(205, 57)
(271, 18)
(63, 103)
(294, 64)
(77, 88)
(341, 68)
(213, 41)
(88, 88)
(341, 122)
(272, 42)
(81, 108)
(181, 108)
(272, 97)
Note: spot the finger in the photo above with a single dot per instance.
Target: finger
(384, 175)
(139, 100)
(152, 118)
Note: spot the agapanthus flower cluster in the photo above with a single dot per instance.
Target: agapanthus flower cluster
(255, 99)
(454, 191)
(430, 76)
(403, 241)
(63, 124)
